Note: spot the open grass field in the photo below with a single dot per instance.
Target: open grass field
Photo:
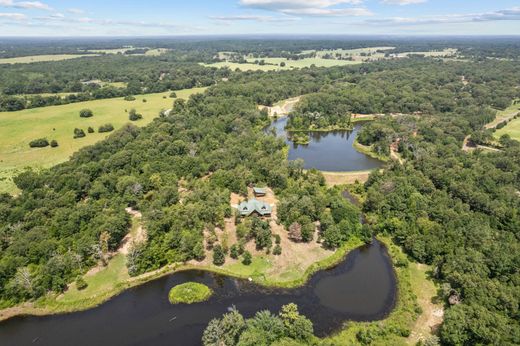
(358, 56)
(42, 58)
(243, 67)
(432, 309)
(346, 52)
(110, 51)
(101, 282)
(433, 54)
(512, 129)
(355, 54)
(345, 178)
(17, 129)
(273, 64)
(150, 52)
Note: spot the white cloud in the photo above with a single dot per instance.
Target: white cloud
(282, 4)
(512, 14)
(403, 2)
(355, 11)
(60, 18)
(309, 7)
(37, 5)
(244, 18)
(75, 11)
(13, 16)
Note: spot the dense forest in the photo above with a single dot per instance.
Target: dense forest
(453, 209)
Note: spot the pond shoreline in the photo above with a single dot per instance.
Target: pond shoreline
(329, 298)
(57, 308)
(326, 150)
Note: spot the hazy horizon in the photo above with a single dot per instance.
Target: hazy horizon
(59, 18)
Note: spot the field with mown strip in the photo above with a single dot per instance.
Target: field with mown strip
(512, 129)
(42, 58)
(17, 129)
(274, 64)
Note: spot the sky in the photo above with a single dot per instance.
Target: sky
(235, 17)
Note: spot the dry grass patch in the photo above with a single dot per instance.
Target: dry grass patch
(345, 178)
(432, 314)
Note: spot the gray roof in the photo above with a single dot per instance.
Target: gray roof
(246, 208)
(261, 190)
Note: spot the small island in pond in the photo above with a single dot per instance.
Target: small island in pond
(189, 293)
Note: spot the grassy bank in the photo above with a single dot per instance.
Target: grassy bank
(324, 129)
(113, 279)
(345, 178)
(406, 324)
(401, 322)
(367, 150)
(284, 279)
(17, 129)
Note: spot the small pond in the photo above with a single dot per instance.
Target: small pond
(328, 151)
(361, 288)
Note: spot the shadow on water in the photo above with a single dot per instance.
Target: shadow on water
(327, 151)
(361, 288)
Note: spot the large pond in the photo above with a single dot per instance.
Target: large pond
(328, 151)
(362, 287)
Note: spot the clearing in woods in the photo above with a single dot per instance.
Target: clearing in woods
(513, 127)
(273, 64)
(42, 58)
(282, 108)
(345, 178)
(17, 129)
(336, 57)
(432, 313)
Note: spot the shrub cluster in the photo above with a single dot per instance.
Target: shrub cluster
(134, 116)
(106, 128)
(39, 143)
(79, 133)
(85, 113)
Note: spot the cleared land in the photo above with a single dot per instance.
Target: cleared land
(273, 64)
(42, 58)
(432, 314)
(17, 129)
(345, 178)
(451, 52)
(358, 54)
(355, 56)
(268, 268)
(282, 108)
(149, 52)
(512, 129)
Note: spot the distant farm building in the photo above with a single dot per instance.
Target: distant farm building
(254, 207)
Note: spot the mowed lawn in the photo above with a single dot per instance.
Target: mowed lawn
(17, 129)
(512, 129)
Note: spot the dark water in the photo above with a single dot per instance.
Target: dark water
(328, 151)
(362, 287)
